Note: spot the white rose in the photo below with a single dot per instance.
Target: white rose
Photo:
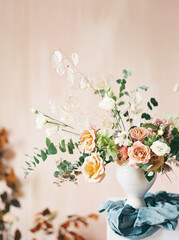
(107, 103)
(40, 121)
(93, 168)
(160, 148)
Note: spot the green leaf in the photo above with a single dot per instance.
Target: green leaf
(126, 93)
(56, 174)
(15, 203)
(48, 142)
(72, 177)
(149, 125)
(154, 102)
(36, 160)
(121, 94)
(149, 175)
(146, 116)
(126, 114)
(174, 131)
(81, 159)
(26, 174)
(70, 147)
(28, 164)
(30, 169)
(119, 81)
(149, 105)
(122, 87)
(121, 103)
(62, 147)
(114, 98)
(43, 155)
(96, 92)
(177, 157)
(34, 164)
(52, 149)
(102, 92)
(143, 87)
(127, 73)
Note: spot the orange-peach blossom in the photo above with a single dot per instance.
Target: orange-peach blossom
(139, 153)
(122, 156)
(93, 168)
(87, 140)
(139, 133)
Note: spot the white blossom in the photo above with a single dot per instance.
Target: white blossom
(40, 121)
(56, 58)
(122, 139)
(75, 58)
(107, 103)
(160, 148)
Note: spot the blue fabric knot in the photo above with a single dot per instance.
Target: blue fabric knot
(162, 211)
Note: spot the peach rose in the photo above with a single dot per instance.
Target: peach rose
(93, 168)
(139, 133)
(156, 162)
(122, 156)
(138, 153)
(87, 140)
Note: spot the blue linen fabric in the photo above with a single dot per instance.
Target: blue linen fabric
(162, 211)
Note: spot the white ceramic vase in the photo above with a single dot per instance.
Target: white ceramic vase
(135, 185)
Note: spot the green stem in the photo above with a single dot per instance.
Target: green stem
(64, 124)
(64, 130)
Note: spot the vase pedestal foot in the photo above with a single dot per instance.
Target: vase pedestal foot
(136, 202)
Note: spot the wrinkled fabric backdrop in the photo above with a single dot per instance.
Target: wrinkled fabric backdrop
(108, 35)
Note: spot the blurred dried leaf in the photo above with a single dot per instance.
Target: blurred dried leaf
(17, 235)
(36, 228)
(94, 216)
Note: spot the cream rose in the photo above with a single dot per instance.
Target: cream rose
(93, 168)
(139, 133)
(87, 140)
(160, 148)
(138, 153)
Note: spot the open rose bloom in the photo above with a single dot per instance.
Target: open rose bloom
(125, 134)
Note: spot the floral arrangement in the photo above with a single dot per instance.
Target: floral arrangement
(67, 230)
(129, 135)
(12, 190)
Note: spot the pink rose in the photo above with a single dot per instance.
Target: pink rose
(122, 156)
(138, 153)
(139, 133)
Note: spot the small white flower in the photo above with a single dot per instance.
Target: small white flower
(9, 218)
(107, 103)
(135, 109)
(56, 58)
(160, 148)
(40, 121)
(75, 58)
(176, 87)
(60, 69)
(137, 98)
(160, 132)
(122, 139)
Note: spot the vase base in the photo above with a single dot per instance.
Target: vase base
(136, 202)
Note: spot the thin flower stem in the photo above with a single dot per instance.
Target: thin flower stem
(59, 122)
(77, 69)
(64, 130)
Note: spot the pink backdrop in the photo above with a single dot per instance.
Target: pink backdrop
(108, 35)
